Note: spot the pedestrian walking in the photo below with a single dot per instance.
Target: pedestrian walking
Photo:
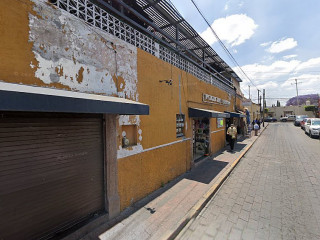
(256, 129)
(232, 132)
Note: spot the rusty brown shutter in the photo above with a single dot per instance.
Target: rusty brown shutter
(51, 173)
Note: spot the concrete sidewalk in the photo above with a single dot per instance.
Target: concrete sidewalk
(178, 202)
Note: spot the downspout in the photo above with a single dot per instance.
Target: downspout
(180, 94)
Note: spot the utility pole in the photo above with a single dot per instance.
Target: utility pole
(296, 83)
(264, 97)
(249, 92)
(235, 99)
(260, 104)
(258, 96)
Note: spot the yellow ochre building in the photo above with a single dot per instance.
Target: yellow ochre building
(102, 102)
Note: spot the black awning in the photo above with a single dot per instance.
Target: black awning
(15, 97)
(233, 114)
(197, 112)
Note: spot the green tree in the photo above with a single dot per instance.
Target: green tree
(311, 108)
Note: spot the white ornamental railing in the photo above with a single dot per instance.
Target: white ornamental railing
(97, 17)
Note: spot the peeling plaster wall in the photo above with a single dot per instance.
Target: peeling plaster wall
(80, 57)
(43, 46)
(129, 120)
(85, 59)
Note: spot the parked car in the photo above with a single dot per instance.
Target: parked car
(303, 122)
(299, 119)
(284, 119)
(270, 119)
(291, 118)
(312, 127)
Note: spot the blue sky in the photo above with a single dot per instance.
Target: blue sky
(274, 42)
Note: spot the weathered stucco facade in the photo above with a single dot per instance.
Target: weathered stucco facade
(47, 47)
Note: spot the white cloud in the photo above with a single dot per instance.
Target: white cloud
(278, 78)
(309, 65)
(234, 29)
(226, 7)
(268, 85)
(265, 44)
(306, 82)
(289, 56)
(260, 72)
(282, 45)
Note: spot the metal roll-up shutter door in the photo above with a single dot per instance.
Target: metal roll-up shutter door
(51, 173)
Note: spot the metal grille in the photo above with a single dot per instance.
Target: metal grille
(51, 173)
(97, 17)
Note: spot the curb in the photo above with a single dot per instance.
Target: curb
(195, 210)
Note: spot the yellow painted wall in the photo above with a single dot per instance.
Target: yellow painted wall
(15, 49)
(143, 173)
(218, 135)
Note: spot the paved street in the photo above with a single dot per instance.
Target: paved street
(273, 193)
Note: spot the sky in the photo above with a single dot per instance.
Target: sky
(273, 41)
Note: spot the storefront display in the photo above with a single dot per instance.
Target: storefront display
(201, 137)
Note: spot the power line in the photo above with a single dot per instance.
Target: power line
(296, 83)
(273, 78)
(274, 98)
(222, 45)
(283, 72)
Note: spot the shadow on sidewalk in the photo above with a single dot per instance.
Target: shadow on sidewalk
(239, 146)
(206, 171)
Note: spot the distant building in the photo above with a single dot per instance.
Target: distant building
(278, 112)
(253, 108)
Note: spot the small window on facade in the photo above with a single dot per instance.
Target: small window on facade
(129, 135)
(180, 125)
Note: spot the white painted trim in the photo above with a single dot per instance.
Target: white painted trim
(61, 93)
(218, 131)
(153, 148)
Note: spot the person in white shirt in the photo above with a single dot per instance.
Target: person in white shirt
(232, 132)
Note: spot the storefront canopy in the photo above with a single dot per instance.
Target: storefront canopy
(197, 112)
(15, 97)
(234, 114)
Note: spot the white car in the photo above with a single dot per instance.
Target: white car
(291, 117)
(312, 127)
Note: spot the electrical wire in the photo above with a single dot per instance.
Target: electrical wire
(223, 46)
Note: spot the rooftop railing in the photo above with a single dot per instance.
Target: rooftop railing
(99, 18)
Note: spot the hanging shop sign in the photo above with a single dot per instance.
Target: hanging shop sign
(246, 104)
(211, 99)
(219, 122)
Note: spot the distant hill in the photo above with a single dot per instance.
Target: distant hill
(313, 98)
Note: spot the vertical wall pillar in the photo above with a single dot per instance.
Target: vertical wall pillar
(111, 166)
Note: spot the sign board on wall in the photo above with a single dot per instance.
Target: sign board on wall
(246, 104)
(211, 99)
(219, 122)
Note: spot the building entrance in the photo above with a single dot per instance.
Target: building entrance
(201, 138)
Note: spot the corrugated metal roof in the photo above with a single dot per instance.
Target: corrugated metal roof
(166, 17)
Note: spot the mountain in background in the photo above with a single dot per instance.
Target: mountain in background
(313, 98)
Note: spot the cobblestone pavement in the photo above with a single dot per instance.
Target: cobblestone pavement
(273, 193)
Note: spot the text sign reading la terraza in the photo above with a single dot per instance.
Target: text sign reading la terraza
(211, 99)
